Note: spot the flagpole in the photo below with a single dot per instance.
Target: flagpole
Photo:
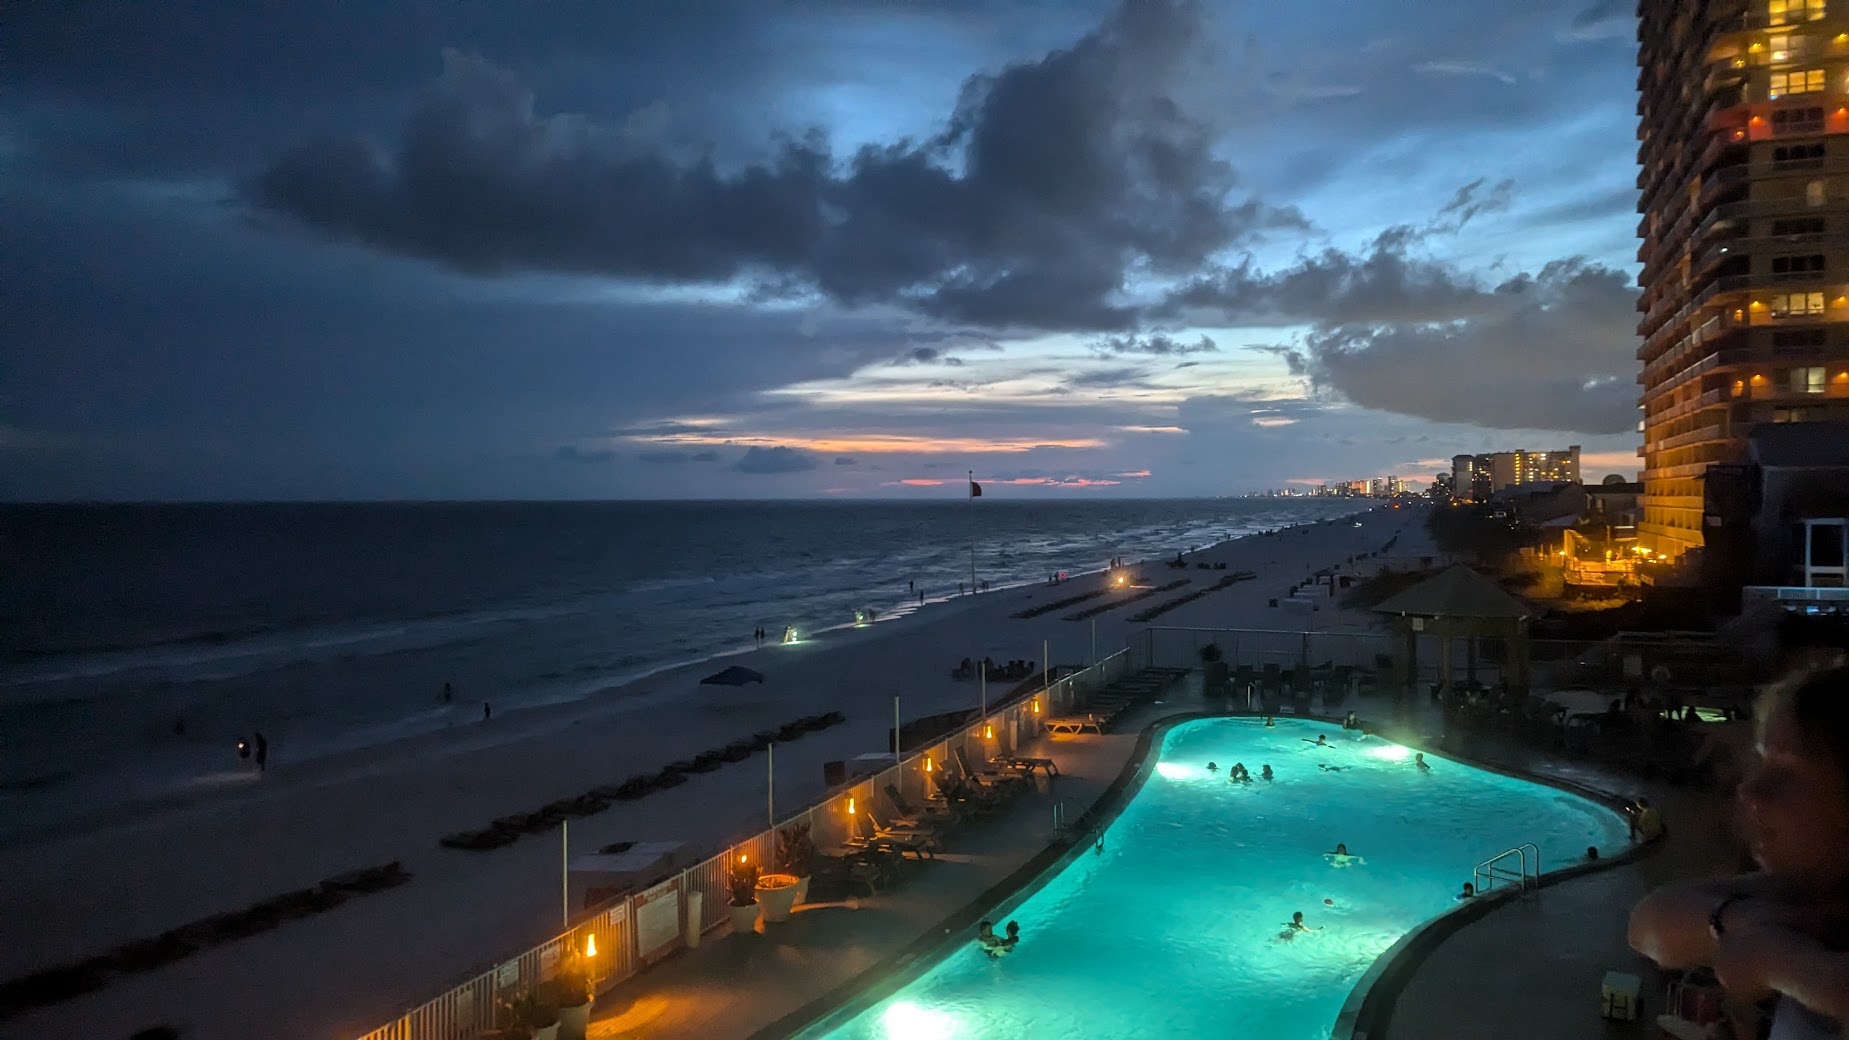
(970, 493)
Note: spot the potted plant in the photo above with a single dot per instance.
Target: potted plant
(534, 1011)
(780, 892)
(744, 885)
(571, 992)
(1214, 673)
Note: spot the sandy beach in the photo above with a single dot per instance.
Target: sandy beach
(97, 880)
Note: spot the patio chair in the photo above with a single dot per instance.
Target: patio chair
(958, 791)
(879, 842)
(992, 777)
(942, 815)
(930, 837)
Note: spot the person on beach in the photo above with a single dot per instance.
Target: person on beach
(911, 585)
(262, 750)
(487, 711)
(243, 751)
(1782, 933)
(449, 694)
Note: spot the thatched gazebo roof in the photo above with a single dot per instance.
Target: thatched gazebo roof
(1458, 592)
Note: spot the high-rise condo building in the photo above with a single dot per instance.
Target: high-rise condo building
(1744, 128)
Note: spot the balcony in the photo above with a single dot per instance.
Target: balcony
(1796, 598)
(1704, 435)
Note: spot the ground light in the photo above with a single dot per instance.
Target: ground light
(1391, 752)
(1175, 771)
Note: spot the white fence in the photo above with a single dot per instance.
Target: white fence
(628, 933)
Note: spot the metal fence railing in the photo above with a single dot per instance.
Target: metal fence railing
(632, 931)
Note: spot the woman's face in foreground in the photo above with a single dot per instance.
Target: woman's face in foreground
(1796, 802)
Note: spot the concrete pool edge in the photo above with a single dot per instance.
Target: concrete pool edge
(892, 973)
(1369, 1006)
(1367, 1014)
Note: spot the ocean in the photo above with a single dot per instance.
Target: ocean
(132, 633)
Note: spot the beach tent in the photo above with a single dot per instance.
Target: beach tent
(1460, 602)
(733, 676)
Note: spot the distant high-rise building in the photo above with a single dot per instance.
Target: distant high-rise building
(1479, 476)
(1744, 124)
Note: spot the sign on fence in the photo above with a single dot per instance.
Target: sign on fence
(507, 976)
(658, 919)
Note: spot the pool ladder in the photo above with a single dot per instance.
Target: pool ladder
(1059, 819)
(1497, 868)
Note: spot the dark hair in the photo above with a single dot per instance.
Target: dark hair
(1818, 700)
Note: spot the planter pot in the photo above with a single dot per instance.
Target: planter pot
(777, 895)
(802, 890)
(550, 1032)
(745, 919)
(574, 1021)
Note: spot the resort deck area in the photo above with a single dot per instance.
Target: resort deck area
(1549, 951)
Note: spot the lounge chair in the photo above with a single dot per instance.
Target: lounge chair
(993, 777)
(941, 815)
(878, 842)
(958, 791)
(1075, 724)
(928, 836)
(1026, 765)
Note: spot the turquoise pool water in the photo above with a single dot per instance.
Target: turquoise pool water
(1173, 931)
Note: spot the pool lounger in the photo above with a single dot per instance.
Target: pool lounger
(1075, 724)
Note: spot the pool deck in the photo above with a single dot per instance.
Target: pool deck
(1527, 970)
(752, 985)
(1531, 969)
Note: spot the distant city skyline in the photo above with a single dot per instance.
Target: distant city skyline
(820, 249)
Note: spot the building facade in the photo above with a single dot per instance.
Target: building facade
(1744, 147)
(1477, 477)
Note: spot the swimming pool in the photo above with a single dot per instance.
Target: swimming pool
(1173, 930)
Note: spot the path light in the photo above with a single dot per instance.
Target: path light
(1036, 705)
(850, 805)
(927, 763)
(988, 732)
(590, 945)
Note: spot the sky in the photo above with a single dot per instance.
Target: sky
(433, 249)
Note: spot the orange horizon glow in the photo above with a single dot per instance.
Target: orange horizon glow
(1135, 473)
(874, 443)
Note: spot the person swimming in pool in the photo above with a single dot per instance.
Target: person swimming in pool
(1327, 768)
(1341, 857)
(1265, 773)
(1469, 892)
(1295, 926)
(1351, 721)
(1239, 774)
(1418, 760)
(995, 945)
(1213, 767)
(1269, 721)
(1321, 740)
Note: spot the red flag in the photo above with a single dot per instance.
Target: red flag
(975, 490)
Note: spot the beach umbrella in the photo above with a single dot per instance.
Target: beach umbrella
(733, 676)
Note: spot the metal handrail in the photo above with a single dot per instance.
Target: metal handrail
(1487, 870)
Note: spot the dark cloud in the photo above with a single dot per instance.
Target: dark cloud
(1155, 344)
(1070, 171)
(927, 356)
(1554, 354)
(842, 460)
(1292, 358)
(1471, 201)
(677, 457)
(775, 460)
(1129, 375)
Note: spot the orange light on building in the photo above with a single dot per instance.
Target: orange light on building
(1036, 705)
(928, 763)
(988, 732)
(850, 805)
(590, 945)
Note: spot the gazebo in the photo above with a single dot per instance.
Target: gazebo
(1460, 602)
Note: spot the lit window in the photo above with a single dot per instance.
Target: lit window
(1797, 304)
(1785, 12)
(1808, 380)
(1798, 81)
(1816, 193)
